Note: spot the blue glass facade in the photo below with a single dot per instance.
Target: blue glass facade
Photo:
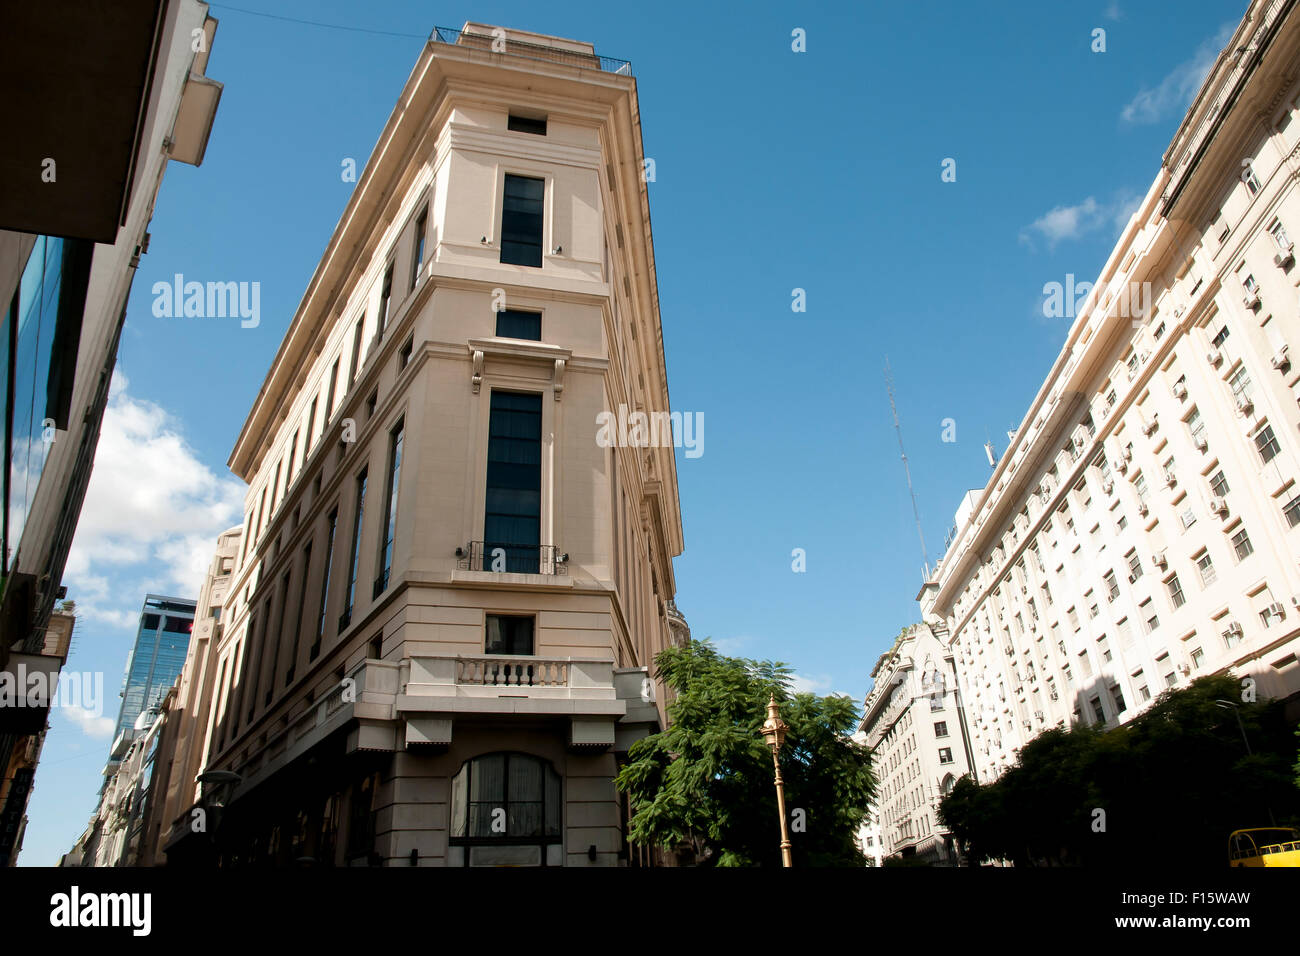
(157, 658)
(26, 346)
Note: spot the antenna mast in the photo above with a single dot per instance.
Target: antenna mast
(889, 386)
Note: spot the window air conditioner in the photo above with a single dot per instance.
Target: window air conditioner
(1201, 443)
(1218, 506)
(1280, 359)
(1244, 404)
(1251, 299)
(1214, 356)
(1276, 610)
(1180, 390)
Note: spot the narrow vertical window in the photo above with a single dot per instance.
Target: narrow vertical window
(512, 522)
(329, 397)
(521, 221)
(274, 661)
(356, 351)
(390, 509)
(311, 426)
(333, 523)
(354, 552)
(385, 300)
(293, 453)
(297, 624)
(417, 257)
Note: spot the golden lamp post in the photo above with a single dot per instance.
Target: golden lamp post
(774, 733)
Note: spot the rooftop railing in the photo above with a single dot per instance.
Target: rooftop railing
(508, 46)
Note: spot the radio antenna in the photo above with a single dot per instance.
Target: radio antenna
(916, 513)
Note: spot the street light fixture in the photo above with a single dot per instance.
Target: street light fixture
(774, 729)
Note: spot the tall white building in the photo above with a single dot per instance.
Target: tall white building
(1143, 527)
(913, 724)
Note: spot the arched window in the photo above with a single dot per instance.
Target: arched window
(946, 785)
(506, 811)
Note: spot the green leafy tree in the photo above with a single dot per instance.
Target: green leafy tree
(706, 783)
(1178, 777)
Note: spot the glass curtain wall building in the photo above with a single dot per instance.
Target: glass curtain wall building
(157, 658)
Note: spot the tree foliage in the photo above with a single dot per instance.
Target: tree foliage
(1169, 786)
(706, 783)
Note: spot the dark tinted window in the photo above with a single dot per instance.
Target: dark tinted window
(527, 124)
(521, 221)
(513, 324)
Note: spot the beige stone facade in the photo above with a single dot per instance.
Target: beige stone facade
(1143, 526)
(354, 690)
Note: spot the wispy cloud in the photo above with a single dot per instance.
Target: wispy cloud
(1062, 223)
(1174, 93)
(88, 722)
(1112, 11)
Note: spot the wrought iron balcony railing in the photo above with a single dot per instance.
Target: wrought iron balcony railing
(512, 558)
(531, 51)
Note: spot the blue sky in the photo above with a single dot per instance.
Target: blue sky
(775, 170)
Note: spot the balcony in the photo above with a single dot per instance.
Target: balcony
(501, 558)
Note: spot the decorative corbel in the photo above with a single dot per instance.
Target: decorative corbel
(477, 379)
(558, 380)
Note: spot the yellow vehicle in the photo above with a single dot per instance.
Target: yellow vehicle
(1264, 846)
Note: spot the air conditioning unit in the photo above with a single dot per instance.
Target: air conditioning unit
(1148, 427)
(1234, 628)
(1038, 714)
(1180, 389)
(1218, 506)
(1122, 465)
(1276, 610)
(1284, 257)
(1054, 695)
(1159, 560)
(1080, 437)
(1280, 359)
(1251, 300)
(1132, 579)
(1143, 510)
(1126, 454)
(1201, 443)
(1244, 404)
(1108, 486)
(1171, 479)
(1214, 356)
(1184, 669)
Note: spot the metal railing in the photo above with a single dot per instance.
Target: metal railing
(532, 51)
(512, 558)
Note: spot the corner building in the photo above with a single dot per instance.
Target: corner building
(440, 631)
(1143, 527)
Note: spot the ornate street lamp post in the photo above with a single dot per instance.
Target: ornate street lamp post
(774, 733)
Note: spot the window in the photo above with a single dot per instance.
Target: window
(1117, 698)
(1241, 545)
(332, 523)
(521, 221)
(512, 522)
(1144, 693)
(506, 811)
(941, 729)
(1249, 283)
(1240, 383)
(515, 324)
(1149, 617)
(355, 552)
(1085, 664)
(1170, 474)
(1143, 492)
(945, 755)
(390, 508)
(1278, 232)
(404, 356)
(1266, 444)
(1198, 658)
(1097, 710)
(1221, 336)
(1232, 636)
(417, 257)
(333, 387)
(385, 301)
(1176, 597)
(311, 424)
(1205, 565)
(1188, 517)
(297, 625)
(1291, 511)
(356, 352)
(526, 124)
(1196, 425)
(1134, 566)
(1112, 586)
(1249, 178)
(1219, 484)
(1125, 632)
(509, 635)
(371, 402)
(1103, 646)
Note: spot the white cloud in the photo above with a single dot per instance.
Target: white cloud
(88, 723)
(1174, 93)
(810, 684)
(1061, 223)
(152, 508)
(1112, 11)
